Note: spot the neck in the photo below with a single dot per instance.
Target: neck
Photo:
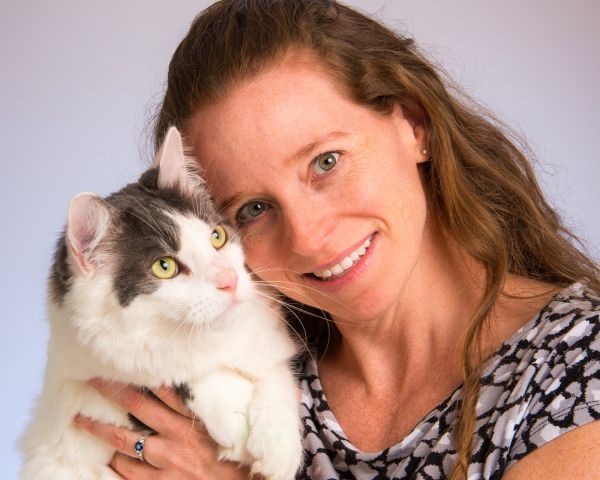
(422, 329)
(422, 332)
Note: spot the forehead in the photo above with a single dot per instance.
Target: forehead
(263, 122)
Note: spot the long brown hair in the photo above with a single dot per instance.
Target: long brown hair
(479, 183)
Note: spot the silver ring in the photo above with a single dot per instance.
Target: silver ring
(139, 447)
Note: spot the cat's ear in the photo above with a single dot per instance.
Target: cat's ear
(87, 224)
(174, 166)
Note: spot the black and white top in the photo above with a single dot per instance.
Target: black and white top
(541, 383)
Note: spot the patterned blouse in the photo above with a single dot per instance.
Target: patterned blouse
(540, 383)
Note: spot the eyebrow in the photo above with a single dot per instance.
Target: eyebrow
(312, 146)
(303, 151)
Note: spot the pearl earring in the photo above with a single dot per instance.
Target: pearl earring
(424, 151)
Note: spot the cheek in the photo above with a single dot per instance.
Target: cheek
(260, 255)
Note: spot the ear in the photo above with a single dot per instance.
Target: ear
(174, 167)
(415, 116)
(87, 224)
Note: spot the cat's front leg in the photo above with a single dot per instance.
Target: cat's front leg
(275, 439)
(221, 401)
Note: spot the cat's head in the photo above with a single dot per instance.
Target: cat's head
(156, 252)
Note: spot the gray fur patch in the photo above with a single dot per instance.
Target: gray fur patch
(60, 274)
(144, 232)
(136, 424)
(184, 392)
(141, 231)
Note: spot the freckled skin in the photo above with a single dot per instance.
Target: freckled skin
(247, 147)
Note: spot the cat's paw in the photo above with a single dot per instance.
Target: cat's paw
(221, 401)
(275, 444)
(231, 432)
(237, 453)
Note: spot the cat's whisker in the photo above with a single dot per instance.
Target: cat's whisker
(158, 232)
(197, 330)
(283, 318)
(156, 227)
(291, 307)
(180, 325)
(304, 286)
(266, 269)
(295, 307)
(325, 316)
(283, 285)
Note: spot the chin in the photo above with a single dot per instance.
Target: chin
(363, 310)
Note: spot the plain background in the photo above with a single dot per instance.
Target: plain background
(80, 80)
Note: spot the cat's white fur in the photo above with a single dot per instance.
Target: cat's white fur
(232, 350)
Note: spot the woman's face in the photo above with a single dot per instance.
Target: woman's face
(326, 192)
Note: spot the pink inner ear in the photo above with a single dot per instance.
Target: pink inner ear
(174, 166)
(86, 225)
(81, 236)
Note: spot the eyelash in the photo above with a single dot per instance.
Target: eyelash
(241, 223)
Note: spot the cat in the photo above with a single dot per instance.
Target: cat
(149, 287)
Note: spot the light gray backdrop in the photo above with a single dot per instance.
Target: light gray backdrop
(79, 81)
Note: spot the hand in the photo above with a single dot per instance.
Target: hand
(181, 449)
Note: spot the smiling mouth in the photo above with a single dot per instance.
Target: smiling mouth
(346, 264)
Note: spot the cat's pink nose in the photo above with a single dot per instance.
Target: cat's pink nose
(227, 279)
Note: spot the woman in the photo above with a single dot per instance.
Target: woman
(459, 342)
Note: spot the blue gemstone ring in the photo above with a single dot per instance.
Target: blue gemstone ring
(139, 447)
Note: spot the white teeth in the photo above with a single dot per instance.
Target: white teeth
(337, 269)
(346, 263)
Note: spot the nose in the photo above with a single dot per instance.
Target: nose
(225, 278)
(306, 228)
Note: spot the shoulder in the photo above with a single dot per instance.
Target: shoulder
(542, 383)
(570, 316)
(576, 454)
(563, 331)
(563, 344)
(560, 390)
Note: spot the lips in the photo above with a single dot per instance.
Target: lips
(345, 264)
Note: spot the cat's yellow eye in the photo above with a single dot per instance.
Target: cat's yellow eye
(165, 268)
(218, 237)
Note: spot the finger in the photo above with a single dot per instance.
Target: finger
(150, 411)
(173, 398)
(123, 440)
(129, 468)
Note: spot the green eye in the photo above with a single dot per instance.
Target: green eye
(250, 211)
(218, 237)
(326, 161)
(165, 268)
